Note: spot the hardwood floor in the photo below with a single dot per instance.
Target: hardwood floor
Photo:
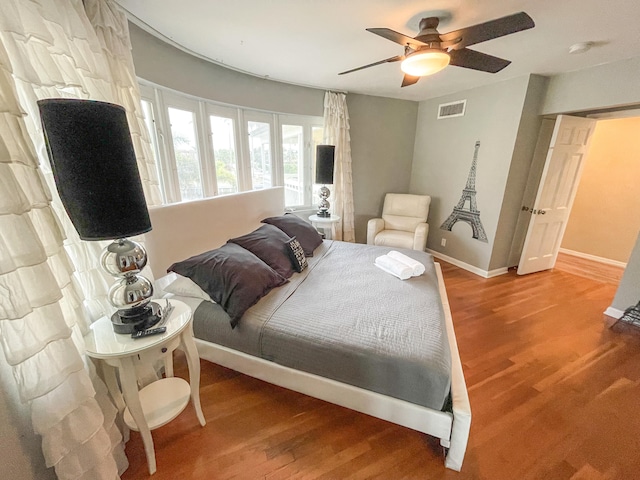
(584, 267)
(554, 395)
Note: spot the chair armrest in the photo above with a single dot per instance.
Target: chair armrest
(420, 237)
(374, 227)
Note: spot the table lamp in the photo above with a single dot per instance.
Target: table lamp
(325, 155)
(95, 171)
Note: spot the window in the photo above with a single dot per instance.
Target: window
(204, 149)
(293, 164)
(300, 136)
(260, 149)
(260, 154)
(224, 153)
(185, 150)
(149, 120)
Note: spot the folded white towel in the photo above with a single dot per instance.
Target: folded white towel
(416, 266)
(393, 266)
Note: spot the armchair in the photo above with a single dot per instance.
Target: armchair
(403, 223)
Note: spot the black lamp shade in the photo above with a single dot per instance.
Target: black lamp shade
(325, 155)
(94, 167)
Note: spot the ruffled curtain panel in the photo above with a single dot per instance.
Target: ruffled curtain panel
(336, 132)
(50, 286)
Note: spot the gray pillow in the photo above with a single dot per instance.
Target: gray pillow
(269, 244)
(294, 226)
(233, 277)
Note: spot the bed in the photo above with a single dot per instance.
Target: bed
(295, 336)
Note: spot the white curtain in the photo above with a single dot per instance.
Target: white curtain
(50, 286)
(336, 132)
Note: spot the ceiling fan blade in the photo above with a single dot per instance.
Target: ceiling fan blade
(397, 58)
(397, 37)
(409, 80)
(477, 61)
(482, 32)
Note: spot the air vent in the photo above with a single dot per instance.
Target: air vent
(453, 109)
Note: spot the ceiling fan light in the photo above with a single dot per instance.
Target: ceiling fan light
(425, 62)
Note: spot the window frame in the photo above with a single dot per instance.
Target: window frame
(233, 115)
(162, 98)
(269, 119)
(179, 102)
(307, 123)
(148, 94)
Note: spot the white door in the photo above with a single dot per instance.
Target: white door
(556, 192)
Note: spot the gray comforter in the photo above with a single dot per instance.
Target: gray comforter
(345, 319)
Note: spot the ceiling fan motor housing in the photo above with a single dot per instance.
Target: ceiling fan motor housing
(428, 33)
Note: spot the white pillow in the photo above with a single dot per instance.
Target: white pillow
(182, 286)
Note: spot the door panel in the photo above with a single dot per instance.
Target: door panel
(556, 192)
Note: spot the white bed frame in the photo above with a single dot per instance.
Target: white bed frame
(186, 229)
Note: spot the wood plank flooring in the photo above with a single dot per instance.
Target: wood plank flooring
(584, 267)
(554, 395)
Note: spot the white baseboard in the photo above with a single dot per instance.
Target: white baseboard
(497, 271)
(593, 258)
(467, 267)
(613, 312)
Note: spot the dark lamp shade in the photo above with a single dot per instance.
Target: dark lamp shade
(94, 167)
(325, 155)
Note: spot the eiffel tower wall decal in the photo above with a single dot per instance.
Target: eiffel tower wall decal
(467, 210)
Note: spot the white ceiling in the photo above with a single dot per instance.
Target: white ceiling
(307, 42)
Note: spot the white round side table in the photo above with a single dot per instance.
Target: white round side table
(161, 401)
(325, 223)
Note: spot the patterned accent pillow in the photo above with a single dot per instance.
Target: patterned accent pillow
(296, 253)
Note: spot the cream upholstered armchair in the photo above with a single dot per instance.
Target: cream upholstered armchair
(403, 223)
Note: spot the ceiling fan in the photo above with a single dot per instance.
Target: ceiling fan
(429, 51)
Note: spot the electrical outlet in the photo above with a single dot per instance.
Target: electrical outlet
(443, 242)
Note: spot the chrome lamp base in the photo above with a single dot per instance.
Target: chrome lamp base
(323, 207)
(131, 295)
(136, 319)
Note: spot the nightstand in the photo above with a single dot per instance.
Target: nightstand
(161, 401)
(324, 223)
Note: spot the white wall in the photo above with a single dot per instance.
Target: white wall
(522, 160)
(163, 64)
(382, 133)
(603, 86)
(443, 154)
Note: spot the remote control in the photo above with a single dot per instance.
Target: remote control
(146, 333)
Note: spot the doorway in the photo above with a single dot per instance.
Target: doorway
(604, 222)
(605, 219)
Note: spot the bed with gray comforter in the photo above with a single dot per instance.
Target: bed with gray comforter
(345, 319)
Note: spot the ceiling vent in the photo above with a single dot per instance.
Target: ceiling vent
(452, 109)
